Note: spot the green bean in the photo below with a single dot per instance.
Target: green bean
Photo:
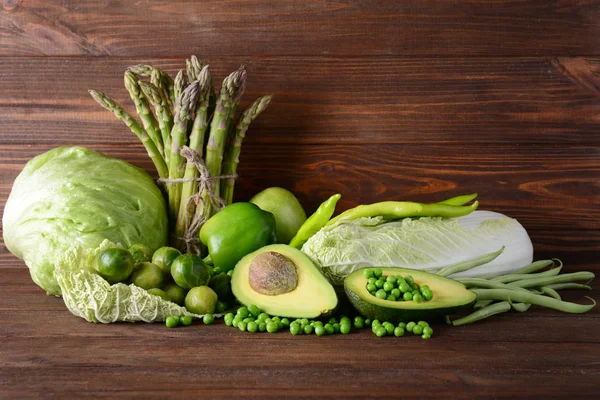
(568, 285)
(484, 283)
(534, 266)
(564, 278)
(469, 264)
(404, 209)
(481, 304)
(531, 298)
(315, 222)
(459, 200)
(478, 315)
(550, 292)
(520, 307)
(518, 277)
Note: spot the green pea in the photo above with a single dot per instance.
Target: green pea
(242, 326)
(376, 322)
(262, 316)
(417, 330)
(417, 298)
(426, 336)
(367, 322)
(262, 326)
(320, 330)
(408, 296)
(243, 312)
(391, 278)
(248, 319)
(221, 307)
(332, 320)
(367, 273)
(379, 283)
(409, 279)
(329, 329)
(377, 273)
(185, 320)
(402, 325)
(410, 326)
(391, 297)
(425, 287)
(208, 319)
(252, 327)
(423, 323)
(216, 271)
(285, 322)
(308, 329)
(147, 276)
(389, 327)
(371, 287)
(427, 294)
(345, 329)
(395, 292)
(228, 319)
(275, 319)
(336, 328)
(272, 327)
(295, 329)
(398, 331)
(304, 321)
(427, 331)
(359, 322)
(172, 321)
(405, 287)
(254, 310)
(381, 294)
(381, 331)
(236, 320)
(388, 286)
(371, 280)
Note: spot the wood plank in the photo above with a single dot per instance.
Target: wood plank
(327, 100)
(553, 191)
(315, 27)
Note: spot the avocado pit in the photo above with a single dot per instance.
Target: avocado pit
(271, 273)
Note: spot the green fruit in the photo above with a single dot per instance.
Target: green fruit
(449, 297)
(164, 257)
(288, 212)
(201, 300)
(281, 280)
(114, 264)
(175, 293)
(140, 253)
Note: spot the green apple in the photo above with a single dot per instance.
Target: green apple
(289, 214)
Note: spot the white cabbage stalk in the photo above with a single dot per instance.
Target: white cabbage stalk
(424, 244)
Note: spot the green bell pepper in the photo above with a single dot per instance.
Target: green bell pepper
(237, 230)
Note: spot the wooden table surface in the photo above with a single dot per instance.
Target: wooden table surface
(376, 100)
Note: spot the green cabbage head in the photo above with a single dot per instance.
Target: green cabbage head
(74, 198)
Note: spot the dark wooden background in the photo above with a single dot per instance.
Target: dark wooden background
(376, 100)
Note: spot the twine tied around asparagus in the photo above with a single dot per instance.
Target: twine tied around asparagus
(196, 216)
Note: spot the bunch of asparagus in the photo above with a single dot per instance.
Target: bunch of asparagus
(189, 133)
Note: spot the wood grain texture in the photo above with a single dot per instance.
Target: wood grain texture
(329, 100)
(549, 189)
(526, 351)
(315, 27)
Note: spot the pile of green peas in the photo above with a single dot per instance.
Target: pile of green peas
(395, 287)
(385, 328)
(252, 319)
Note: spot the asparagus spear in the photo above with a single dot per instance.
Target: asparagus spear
(141, 69)
(232, 158)
(187, 104)
(231, 91)
(135, 127)
(158, 100)
(190, 187)
(193, 68)
(166, 82)
(143, 109)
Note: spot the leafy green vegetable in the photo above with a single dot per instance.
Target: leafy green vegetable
(89, 296)
(424, 243)
(68, 200)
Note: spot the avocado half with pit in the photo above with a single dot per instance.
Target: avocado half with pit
(283, 281)
(449, 297)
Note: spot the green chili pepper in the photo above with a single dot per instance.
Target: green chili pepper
(315, 222)
(459, 200)
(404, 209)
